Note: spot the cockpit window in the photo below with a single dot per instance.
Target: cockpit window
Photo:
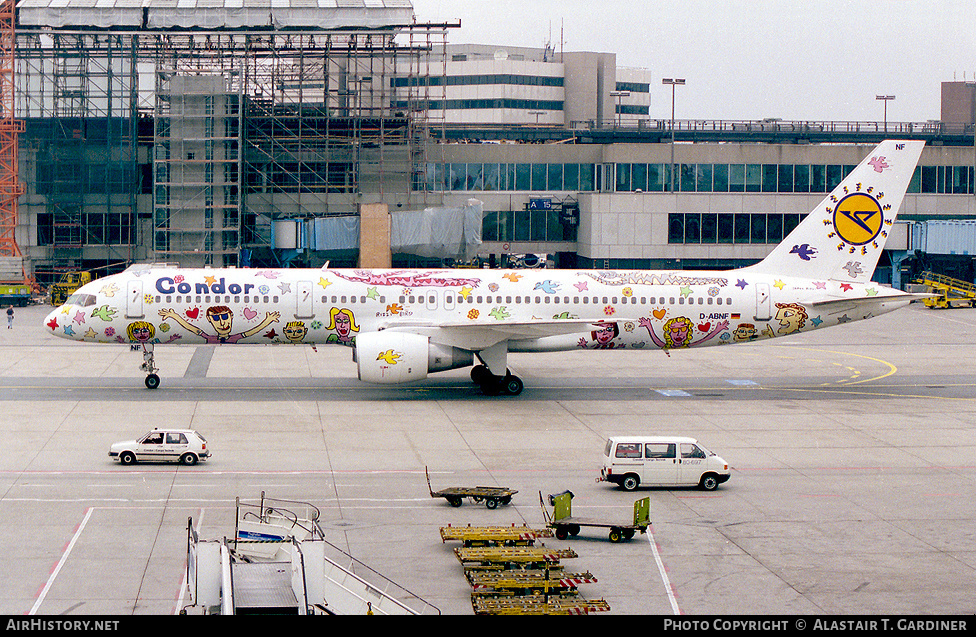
(84, 300)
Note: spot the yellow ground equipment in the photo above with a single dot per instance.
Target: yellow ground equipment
(70, 281)
(537, 605)
(493, 535)
(566, 524)
(508, 558)
(952, 292)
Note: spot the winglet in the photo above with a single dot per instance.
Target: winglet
(842, 238)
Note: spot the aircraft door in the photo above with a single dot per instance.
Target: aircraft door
(134, 307)
(303, 300)
(763, 304)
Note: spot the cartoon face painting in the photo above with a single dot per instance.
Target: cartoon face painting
(343, 322)
(603, 336)
(141, 332)
(295, 331)
(745, 332)
(791, 316)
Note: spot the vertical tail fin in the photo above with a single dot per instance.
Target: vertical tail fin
(842, 238)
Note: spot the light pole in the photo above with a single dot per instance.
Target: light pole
(619, 95)
(885, 99)
(673, 82)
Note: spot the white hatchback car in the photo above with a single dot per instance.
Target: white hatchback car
(185, 446)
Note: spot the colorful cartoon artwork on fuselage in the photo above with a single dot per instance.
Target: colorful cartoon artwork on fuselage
(602, 338)
(221, 318)
(295, 331)
(679, 332)
(791, 316)
(343, 321)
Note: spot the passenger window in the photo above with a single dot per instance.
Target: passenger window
(628, 450)
(659, 450)
(175, 439)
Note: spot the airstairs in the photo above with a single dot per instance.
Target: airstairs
(951, 292)
(279, 562)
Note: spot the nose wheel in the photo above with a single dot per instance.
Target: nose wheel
(149, 365)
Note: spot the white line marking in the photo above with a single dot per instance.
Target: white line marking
(663, 572)
(64, 558)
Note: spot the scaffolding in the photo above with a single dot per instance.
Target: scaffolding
(199, 144)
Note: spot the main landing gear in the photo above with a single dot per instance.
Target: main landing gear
(149, 365)
(491, 385)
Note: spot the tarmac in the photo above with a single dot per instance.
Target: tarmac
(852, 449)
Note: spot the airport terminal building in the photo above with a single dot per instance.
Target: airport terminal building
(232, 133)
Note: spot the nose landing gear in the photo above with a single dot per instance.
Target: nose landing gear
(149, 365)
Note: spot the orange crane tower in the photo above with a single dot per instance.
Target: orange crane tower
(10, 129)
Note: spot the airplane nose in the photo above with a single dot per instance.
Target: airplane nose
(53, 321)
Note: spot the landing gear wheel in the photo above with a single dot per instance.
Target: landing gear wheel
(512, 385)
(480, 374)
(152, 381)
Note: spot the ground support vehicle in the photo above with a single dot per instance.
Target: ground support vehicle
(533, 582)
(492, 496)
(70, 281)
(661, 461)
(949, 292)
(503, 558)
(565, 524)
(18, 294)
(185, 446)
(493, 535)
(537, 605)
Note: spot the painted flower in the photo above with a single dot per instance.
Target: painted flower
(472, 314)
(609, 310)
(627, 292)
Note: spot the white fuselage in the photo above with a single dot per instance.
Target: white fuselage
(623, 309)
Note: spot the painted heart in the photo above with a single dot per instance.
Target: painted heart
(195, 312)
(249, 313)
(659, 314)
(704, 327)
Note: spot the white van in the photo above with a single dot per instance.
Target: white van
(661, 461)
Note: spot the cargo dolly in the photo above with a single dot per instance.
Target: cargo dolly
(492, 496)
(527, 582)
(493, 535)
(565, 524)
(537, 605)
(509, 558)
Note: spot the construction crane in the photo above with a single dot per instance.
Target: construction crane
(10, 129)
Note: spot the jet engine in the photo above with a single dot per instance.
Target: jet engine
(391, 357)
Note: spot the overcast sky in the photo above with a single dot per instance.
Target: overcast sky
(750, 59)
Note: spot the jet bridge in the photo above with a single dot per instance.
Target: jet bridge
(279, 562)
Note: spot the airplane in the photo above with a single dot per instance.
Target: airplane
(402, 325)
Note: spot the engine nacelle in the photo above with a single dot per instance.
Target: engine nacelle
(391, 357)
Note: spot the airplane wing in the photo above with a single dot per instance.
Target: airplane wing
(479, 335)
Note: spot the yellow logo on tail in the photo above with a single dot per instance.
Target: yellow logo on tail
(389, 356)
